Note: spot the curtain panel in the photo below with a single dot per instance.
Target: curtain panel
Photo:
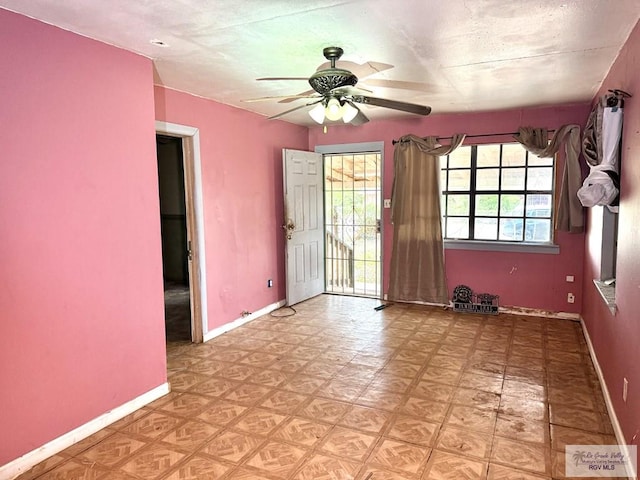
(417, 272)
(570, 214)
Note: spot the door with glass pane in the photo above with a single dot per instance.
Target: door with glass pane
(353, 248)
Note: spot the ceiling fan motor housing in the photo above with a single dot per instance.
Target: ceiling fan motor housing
(324, 81)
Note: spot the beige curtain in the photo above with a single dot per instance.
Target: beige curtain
(570, 216)
(417, 258)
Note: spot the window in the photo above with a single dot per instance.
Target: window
(605, 221)
(497, 192)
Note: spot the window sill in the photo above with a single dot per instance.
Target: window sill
(608, 294)
(544, 248)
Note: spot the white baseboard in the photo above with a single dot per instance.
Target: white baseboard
(32, 458)
(242, 320)
(607, 400)
(532, 312)
(536, 312)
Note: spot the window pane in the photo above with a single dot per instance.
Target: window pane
(539, 205)
(511, 205)
(513, 179)
(458, 205)
(460, 158)
(513, 155)
(535, 160)
(540, 179)
(457, 227)
(511, 229)
(496, 206)
(459, 180)
(487, 179)
(488, 155)
(537, 230)
(487, 205)
(486, 228)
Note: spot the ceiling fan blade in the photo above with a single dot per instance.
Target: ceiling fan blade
(342, 91)
(360, 118)
(394, 104)
(307, 94)
(287, 98)
(417, 86)
(294, 109)
(281, 78)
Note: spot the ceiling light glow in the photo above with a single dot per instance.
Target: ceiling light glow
(334, 110)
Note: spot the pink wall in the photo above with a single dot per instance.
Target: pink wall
(81, 300)
(616, 337)
(521, 279)
(243, 200)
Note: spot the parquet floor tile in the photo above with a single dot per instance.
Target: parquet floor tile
(400, 456)
(277, 458)
(113, 449)
(322, 467)
(464, 442)
(340, 391)
(447, 466)
(151, 462)
(232, 446)
(302, 431)
(346, 443)
(199, 468)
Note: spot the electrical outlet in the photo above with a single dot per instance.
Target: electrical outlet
(571, 298)
(269, 283)
(570, 278)
(387, 203)
(625, 389)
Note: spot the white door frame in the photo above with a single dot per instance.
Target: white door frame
(195, 223)
(363, 147)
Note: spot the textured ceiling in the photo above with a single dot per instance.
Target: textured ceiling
(454, 55)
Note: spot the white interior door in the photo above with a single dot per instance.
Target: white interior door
(304, 224)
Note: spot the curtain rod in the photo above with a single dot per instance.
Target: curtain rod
(393, 142)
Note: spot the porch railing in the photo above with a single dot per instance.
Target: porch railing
(339, 266)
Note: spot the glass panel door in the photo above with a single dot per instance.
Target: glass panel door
(353, 197)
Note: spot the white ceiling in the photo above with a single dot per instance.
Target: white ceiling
(455, 55)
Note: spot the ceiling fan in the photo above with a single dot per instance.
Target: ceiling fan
(336, 96)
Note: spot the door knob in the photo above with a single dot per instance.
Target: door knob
(289, 228)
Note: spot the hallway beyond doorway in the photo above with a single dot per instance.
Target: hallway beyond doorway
(177, 312)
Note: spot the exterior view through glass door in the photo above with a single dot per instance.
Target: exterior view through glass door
(353, 198)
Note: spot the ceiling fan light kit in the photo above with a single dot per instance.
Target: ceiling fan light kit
(317, 113)
(333, 111)
(349, 113)
(335, 95)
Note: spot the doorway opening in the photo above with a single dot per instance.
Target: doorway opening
(175, 249)
(188, 138)
(353, 212)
